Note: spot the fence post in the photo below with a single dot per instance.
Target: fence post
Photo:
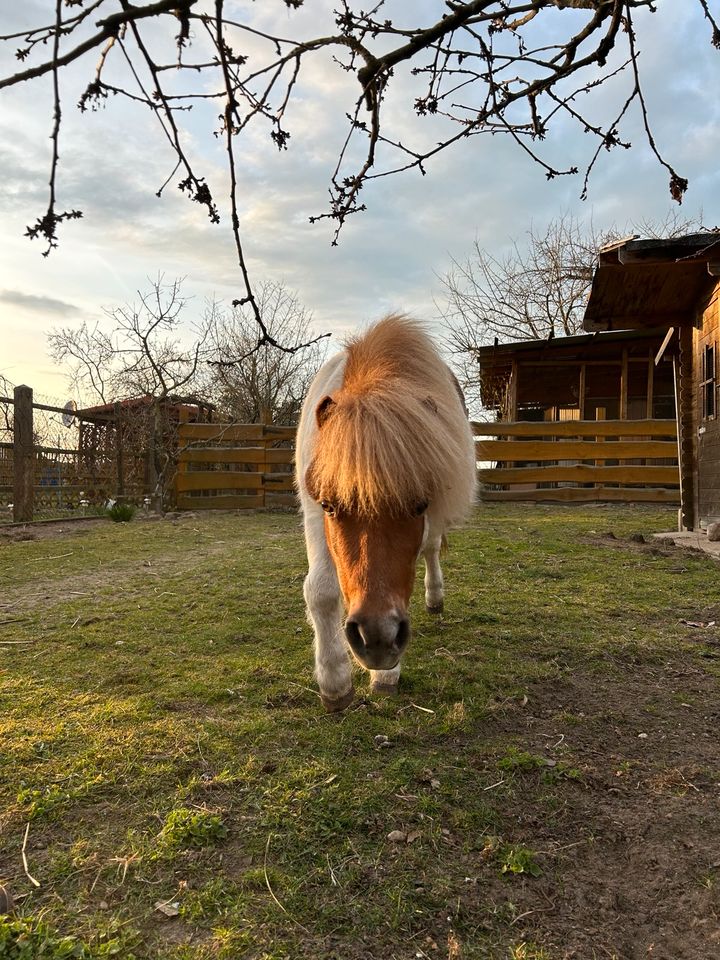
(117, 409)
(23, 455)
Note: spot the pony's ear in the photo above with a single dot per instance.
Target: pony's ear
(430, 404)
(323, 410)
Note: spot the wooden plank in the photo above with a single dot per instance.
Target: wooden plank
(276, 432)
(664, 345)
(220, 432)
(581, 473)
(280, 455)
(23, 455)
(577, 428)
(513, 398)
(279, 481)
(273, 455)
(687, 437)
(225, 432)
(218, 480)
(502, 450)
(222, 455)
(585, 495)
(220, 503)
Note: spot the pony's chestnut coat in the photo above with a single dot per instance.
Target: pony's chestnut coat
(385, 464)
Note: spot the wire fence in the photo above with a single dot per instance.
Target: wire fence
(57, 462)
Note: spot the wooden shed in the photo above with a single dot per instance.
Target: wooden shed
(602, 376)
(581, 418)
(642, 284)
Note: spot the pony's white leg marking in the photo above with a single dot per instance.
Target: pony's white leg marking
(434, 584)
(325, 613)
(385, 681)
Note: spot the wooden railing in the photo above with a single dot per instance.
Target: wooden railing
(234, 466)
(528, 455)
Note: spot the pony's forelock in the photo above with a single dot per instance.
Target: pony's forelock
(392, 439)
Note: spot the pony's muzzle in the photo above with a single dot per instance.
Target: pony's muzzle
(378, 642)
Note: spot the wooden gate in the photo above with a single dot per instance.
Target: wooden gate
(233, 466)
(580, 460)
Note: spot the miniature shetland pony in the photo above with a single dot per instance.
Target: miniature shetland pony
(385, 464)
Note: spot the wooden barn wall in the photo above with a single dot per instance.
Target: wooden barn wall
(708, 451)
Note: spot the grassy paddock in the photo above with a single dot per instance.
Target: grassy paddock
(180, 794)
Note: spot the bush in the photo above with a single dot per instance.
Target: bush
(121, 512)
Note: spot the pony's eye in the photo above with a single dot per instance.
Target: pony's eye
(419, 509)
(328, 507)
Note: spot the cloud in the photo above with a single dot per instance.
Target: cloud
(44, 305)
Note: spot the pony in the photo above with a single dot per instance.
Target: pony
(385, 464)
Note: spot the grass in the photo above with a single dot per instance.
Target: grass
(163, 739)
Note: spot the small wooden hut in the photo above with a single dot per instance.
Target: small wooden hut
(121, 434)
(675, 283)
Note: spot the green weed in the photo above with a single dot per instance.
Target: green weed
(31, 939)
(191, 828)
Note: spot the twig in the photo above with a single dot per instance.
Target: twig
(493, 785)
(30, 877)
(58, 556)
(424, 709)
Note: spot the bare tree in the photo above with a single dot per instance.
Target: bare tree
(484, 66)
(6, 409)
(536, 291)
(140, 352)
(268, 384)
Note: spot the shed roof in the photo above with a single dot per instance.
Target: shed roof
(652, 283)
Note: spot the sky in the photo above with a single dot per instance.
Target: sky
(389, 258)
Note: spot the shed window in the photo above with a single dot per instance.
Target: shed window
(708, 382)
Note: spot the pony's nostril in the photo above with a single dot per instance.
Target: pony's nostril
(354, 636)
(403, 634)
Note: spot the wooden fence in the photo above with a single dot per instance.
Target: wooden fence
(234, 466)
(604, 459)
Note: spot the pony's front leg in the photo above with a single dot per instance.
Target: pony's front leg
(434, 584)
(325, 613)
(385, 681)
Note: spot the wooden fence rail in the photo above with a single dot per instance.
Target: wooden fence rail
(528, 459)
(235, 466)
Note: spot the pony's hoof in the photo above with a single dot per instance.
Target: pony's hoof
(338, 704)
(384, 689)
(435, 607)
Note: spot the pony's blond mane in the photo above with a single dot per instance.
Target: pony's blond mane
(396, 434)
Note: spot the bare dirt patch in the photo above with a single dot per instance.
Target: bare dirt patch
(630, 852)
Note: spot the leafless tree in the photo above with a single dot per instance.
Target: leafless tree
(140, 351)
(484, 66)
(536, 291)
(6, 409)
(269, 384)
